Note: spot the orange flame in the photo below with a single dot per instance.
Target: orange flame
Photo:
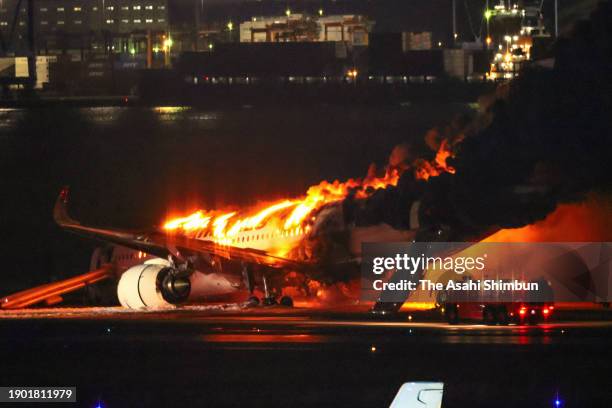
(287, 216)
(426, 169)
(194, 221)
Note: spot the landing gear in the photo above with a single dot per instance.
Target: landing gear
(253, 301)
(269, 298)
(247, 277)
(269, 301)
(286, 301)
(249, 282)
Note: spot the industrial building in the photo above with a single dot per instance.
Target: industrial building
(252, 62)
(64, 25)
(351, 29)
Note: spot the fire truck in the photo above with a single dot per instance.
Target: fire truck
(496, 307)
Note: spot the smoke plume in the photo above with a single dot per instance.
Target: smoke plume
(544, 139)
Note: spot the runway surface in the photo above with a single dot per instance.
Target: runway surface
(224, 355)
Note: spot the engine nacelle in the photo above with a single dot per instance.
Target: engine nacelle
(151, 285)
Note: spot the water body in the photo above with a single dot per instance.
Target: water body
(131, 166)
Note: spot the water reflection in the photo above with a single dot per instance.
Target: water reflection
(105, 116)
(172, 114)
(102, 115)
(264, 338)
(171, 109)
(9, 117)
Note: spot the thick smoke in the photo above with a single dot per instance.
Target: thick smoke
(545, 139)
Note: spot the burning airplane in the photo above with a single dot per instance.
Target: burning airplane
(311, 240)
(542, 141)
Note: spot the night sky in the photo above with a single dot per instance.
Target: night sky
(389, 15)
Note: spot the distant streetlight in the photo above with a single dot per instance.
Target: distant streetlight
(488, 14)
(230, 26)
(167, 45)
(288, 12)
(320, 11)
(210, 46)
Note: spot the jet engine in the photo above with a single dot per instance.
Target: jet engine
(151, 285)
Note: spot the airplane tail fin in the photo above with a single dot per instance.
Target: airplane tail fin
(419, 395)
(135, 240)
(60, 211)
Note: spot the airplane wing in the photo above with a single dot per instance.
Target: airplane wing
(50, 293)
(162, 244)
